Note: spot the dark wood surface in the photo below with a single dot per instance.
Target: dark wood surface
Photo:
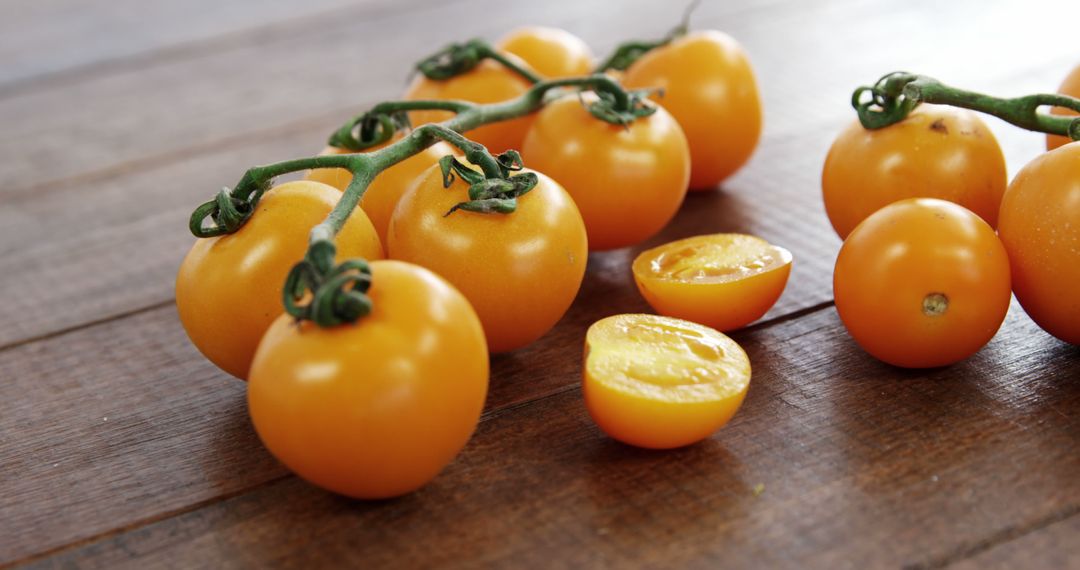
(121, 447)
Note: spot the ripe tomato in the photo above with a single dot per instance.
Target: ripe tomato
(1040, 227)
(659, 382)
(228, 289)
(628, 182)
(377, 408)
(520, 271)
(937, 152)
(552, 52)
(709, 87)
(488, 82)
(1070, 87)
(723, 281)
(385, 191)
(921, 283)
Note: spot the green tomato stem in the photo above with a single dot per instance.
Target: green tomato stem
(895, 95)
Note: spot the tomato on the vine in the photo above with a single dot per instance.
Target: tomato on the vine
(922, 282)
(384, 192)
(376, 408)
(228, 289)
(724, 281)
(553, 52)
(709, 87)
(1040, 227)
(936, 152)
(659, 382)
(520, 270)
(1071, 87)
(628, 182)
(488, 82)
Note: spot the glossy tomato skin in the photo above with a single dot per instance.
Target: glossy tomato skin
(377, 408)
(723, 281)
(228, 288)
(384, 192)
(922, 283)
(628, 182)
(520, 271)
(488, 82)
(1040, 227)
(710, 89)
(552, 52)
(1071, 87)
(937, 152)
(660, 383)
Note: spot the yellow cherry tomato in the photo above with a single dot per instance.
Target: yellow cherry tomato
(936, 152)
(659, 382)
(377, 408)
(229, 287)
(520, 271)
(552, 52)
(709, 87)
(488, 82)
(385, 191)
(1040, 227)
(921, 283)
(628, 182)
(724, 281)
(1071, 87)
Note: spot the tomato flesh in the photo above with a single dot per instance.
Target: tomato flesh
(658, 382)
(724, 281)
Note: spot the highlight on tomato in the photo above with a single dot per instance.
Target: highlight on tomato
(627, 181)
(520, 271)
(228, 288)
(723, 281)
(488, 82)
(1040, 227)
(1071, 87)
(658, 382)
(384, 192)
(552, 52)
(922, 283)
(936, 152)
(708, 85)
(376, 408)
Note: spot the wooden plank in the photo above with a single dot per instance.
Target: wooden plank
(130, 116)
(45, 41)
(1054, 546)
(125, 253)
(836, 460)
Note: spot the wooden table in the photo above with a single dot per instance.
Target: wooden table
(121, 447)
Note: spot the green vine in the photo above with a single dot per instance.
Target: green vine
(893, 97)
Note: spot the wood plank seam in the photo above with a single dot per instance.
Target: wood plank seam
(89, 324)
(1005, 535)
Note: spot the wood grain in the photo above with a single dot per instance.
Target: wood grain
(127, 251)
(856, 464)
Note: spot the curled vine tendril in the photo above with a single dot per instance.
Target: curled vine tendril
(336, 294)
(228, 210)
(489, 195)
(888, 103)
(369, 129)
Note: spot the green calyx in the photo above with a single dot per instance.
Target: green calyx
(496, 194)
(887, 104)
(369, 129)
(621, 111)
(627, 53)
(228, 210)
(338, 293)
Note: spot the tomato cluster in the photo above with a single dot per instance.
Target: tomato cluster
(487, 255)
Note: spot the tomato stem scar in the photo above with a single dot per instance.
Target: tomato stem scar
(935, 304)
